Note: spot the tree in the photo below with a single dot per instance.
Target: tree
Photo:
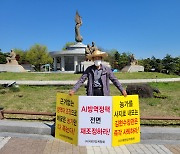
(123, 60)
(168, 63)
(110, 57)
(177, 65)
(116, 59)
(159, 65)
(113, 58)
(146, 64)
(38, 55)
(141, 62)
(153, 63)
(3, 57)
(20, 55)
(156, 64)
(67, 45)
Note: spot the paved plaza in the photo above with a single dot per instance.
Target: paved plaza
(19, 145)
(23, 137)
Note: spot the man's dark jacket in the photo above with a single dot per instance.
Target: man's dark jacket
(105, 76)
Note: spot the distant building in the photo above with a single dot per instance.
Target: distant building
(69, 59)
(73, 58)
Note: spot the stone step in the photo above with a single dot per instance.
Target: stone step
(154, 141)
(43, 128)
(27, 127)
(160, 133)
(22, 135)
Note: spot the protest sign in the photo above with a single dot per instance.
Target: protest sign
(98, 120)
(67, 118)
(95, 120)
(125, 120)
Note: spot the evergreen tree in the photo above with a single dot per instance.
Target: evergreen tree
(168, 63)
(3, 57)
(123, 60)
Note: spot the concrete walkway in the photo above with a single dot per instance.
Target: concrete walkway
(15, 145)
(72, 82)
(35, 138)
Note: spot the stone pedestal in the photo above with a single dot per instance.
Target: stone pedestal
(133, 68)
(11, 68)
(13, 62)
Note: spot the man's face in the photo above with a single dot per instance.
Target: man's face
(97, 58)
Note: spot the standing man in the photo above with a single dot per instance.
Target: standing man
(98, 77)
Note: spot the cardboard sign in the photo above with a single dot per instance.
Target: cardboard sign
(95, 120)
(67, 118)
(98, 120)
(125, 120)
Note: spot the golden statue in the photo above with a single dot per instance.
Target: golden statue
(90, 49)
(78, 21)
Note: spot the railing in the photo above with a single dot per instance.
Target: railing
(2, 112)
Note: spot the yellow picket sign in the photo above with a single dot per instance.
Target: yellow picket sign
(126, 120)
(67, 118)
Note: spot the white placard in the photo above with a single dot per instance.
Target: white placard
(95, 121)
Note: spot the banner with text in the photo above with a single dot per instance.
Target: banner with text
(95, 121)
(125, 120)
(67, 118)
(98, 121)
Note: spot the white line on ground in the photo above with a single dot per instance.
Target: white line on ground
(4, 141)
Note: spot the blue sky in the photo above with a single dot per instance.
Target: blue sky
(143, 27)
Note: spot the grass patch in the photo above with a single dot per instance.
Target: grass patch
(4, 90)
(14, 89)
(43, 99)
(68, 76)
(152, 103)
(163, 107)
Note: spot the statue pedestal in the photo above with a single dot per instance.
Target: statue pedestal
(13, 62)
(11, 68)
(133, 68)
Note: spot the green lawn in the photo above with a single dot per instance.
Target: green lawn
(43, 98)
(68, 76)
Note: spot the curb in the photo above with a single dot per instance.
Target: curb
(27, 127)
(40, 128)
(160, 133)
